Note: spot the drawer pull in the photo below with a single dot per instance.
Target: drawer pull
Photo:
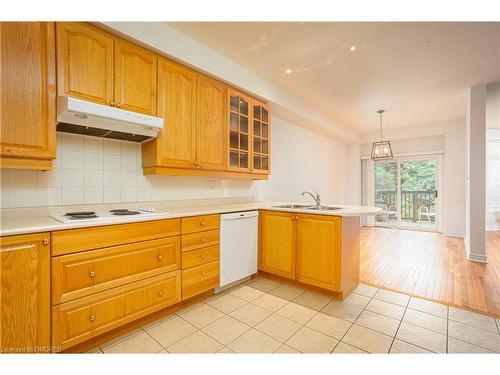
(203, 224)
(160, 293)
(160, 258)
(203, 256)
(202, 273)
(92, 318)
(45, 241)
(202, 240)
(91, 273)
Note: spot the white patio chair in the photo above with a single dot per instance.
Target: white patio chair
(427, 213)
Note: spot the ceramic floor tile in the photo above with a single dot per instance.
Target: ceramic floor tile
(226, 329)
(298, 313)
(424, 338)
(428, 307)
(253, 341)
(357, 300)
(246, 293)
(159, 321)
(329, 325)
(367, 339)
(202, 315)
(285, 349)
(343, 348)
(392, 297)
(188, 308)
(287, 291)
(458, 346)
(263, 284)
(307, 340)
(385, 308)
(377, 322)
(473, 319)
(225, 350)
(365, 290)
(428, 321)
(141, 343)
(250, 314)
(197, 342)
(401, 347)
(121, 338)
(278, 327)
(171, 331)
(95, 350)
(473, 335)
(227, 303)
(342, 310)
(164, 351)
(269, 302)
(313, 300)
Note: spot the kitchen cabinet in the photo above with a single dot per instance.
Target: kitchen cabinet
(261, 138)
(28, 92)
(85, 60)
(135, 78)
(277, 243)
(25, 293)
(239, 131)
(176, 144)
(211, 133)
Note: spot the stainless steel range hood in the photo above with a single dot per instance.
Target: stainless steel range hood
(83, 117)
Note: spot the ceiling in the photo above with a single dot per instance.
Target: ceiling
(418, 72)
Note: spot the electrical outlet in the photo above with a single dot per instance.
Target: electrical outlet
(210, 184)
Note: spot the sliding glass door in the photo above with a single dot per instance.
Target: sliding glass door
(406, 189)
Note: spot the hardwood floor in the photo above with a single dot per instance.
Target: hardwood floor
(433, 266)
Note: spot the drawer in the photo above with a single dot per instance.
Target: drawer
(199, 223)
(199, 279)
(200, 256)
(78, 275)
(75, 240)
(82, 319)
(200, 239)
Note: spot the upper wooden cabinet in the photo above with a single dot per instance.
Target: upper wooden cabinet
(25, 293)
(176, 144)
(135, 78)
(239, 131)
(211, 133)
(261, 138)
(28, 92)
(85, 63)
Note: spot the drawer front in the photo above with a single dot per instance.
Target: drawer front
(200, 239)
(78, 275)
(77, 321)
(199, 223)
(199, 279)
(200, 256)
(75, 240)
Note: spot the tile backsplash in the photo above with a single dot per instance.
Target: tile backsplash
(92, 170)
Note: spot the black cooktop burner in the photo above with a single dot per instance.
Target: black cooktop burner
(81, 215)
(123, 211)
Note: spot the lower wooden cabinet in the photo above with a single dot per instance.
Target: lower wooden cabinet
(199, 279)
(77, 321)
(25, 293)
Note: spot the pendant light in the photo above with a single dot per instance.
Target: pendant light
(381, 150)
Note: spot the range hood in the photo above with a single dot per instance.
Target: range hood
(87, 118)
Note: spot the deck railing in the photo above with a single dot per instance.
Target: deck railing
(410, 202)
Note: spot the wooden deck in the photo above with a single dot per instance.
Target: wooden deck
(432, 266)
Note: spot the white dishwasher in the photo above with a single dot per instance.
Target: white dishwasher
(238, 246)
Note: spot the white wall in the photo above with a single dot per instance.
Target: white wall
(304, 160)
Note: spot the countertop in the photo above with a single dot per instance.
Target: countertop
(35, 220)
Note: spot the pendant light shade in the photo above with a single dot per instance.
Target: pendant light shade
(381, 150)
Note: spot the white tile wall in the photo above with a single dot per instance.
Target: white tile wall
(94, 170)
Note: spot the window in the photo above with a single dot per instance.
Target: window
(493, 170)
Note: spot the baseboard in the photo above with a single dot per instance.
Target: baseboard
(454, 234)
(493, 228)
(477, 258)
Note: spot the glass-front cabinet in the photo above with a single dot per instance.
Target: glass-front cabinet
(239, 132)
(260, 138)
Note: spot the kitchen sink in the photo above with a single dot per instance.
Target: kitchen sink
(308, 207)
(298, 206)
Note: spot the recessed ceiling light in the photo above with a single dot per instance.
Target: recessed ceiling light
(353, 48)
(288, 71)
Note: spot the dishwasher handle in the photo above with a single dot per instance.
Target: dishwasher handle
(239, 215)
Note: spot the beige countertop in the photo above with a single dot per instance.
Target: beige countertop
(35, 220)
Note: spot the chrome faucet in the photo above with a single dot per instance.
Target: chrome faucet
(316, 198)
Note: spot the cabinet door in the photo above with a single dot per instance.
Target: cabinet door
(277, 243)
(135, 78)
(211, 133)
(318, 250)
(84, 63)
(28, 88)
(239, 131)
(176, 145)
(261, 138)
(25, 292)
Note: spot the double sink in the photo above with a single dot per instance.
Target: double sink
(308, 207)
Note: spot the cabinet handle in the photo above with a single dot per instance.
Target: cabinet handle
(118, 105)
(203, 257)
(160, 293)
(92, 273)
(160, 258)
(45, 241)
(92, 318)
(203, 223)
(202, 240)
(112, 104)
(202, 273)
